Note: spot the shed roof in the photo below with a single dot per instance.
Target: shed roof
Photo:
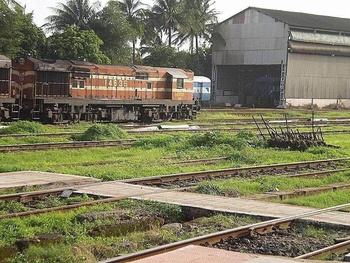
(304, 20)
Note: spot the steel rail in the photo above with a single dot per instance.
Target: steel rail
(203, 128)
(262, 228)
(339, 248)
(224, 172)
(28, 196)
(65, 145)
(61, 208)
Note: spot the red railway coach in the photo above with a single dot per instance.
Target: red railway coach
(56, 91)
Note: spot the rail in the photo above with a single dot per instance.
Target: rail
(222, 172)
(263, 227)
(65, 145)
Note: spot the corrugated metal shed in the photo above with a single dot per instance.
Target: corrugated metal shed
(297, 19)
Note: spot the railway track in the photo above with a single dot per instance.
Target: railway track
(76, 144)
(65, 145)
(166, 179)
(157, 180)
(259, 228)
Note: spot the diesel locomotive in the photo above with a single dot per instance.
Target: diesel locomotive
(58, 91)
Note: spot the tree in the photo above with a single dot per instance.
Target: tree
(134, 15)
(19, 36)
(112, 27)
(77, 13)
(197, 19)
(167, 13)
(76, 44)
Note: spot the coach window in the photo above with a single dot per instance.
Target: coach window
(75, 84)
(180, 83)
(81, 84)
(149, 85)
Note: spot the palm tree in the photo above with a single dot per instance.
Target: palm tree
(196, 21)
(77, 13)
(134, 14)
(168, 13)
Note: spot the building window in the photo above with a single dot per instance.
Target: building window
(180, 83)
(149, 85)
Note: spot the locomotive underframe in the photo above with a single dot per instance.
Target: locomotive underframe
(72, 110)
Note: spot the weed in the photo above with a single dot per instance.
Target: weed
(53, 254)
(102, 132)
(208, 188)
(24, 127)
(314, 232)
(11, 207)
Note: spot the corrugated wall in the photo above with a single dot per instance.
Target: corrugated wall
(317, 77)
(254, 39)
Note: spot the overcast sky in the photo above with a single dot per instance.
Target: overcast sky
(226, 8)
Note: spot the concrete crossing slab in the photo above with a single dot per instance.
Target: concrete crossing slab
(211, 202)
(31, 178)
(244, 206)
(199, 254)
(118, 189)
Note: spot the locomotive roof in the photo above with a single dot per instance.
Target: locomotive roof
(144, 68)
(49, 64)
(5, 62)
(176, 73)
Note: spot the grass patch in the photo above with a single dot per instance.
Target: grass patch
(24, 127)
(98, 132)
(154, 156)
(322, 200)
(263, 184)
(78, 245)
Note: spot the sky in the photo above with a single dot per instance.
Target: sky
(226, 8)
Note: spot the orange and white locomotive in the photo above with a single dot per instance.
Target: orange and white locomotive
(56, 91)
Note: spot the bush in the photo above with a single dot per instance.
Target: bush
(99, 132)
(209, 189)
(24, 127)
(210, 139)
(53, 254)
(161, 141)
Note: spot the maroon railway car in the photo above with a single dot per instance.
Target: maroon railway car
(56, 91)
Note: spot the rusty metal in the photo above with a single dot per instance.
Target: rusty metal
(339, 248)
(65, 145)
(230, 171)
(216, 237)
(61, 208)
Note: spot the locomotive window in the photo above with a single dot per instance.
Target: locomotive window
(149, 85)
(180, 83)
(4, 74)
(141, 75)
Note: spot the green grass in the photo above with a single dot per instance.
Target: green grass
(264, 184)
(323, 200)
(78, 245)
(151, 157)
